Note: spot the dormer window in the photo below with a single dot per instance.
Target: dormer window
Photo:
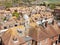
(19, 30)
(35, 18)
(0, 41)
(10, 25)
(46, 24)
(16, 25)
(53, 22)
(59, 38)
(39, 22)
(5, 27)
(15, 40)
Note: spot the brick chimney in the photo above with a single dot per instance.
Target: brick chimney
(53, 22)
(46, 23)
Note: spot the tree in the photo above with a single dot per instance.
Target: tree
(7, 3)
(28, 1)
(52, 6)
(16, 2)
(16, 14)
(4, 19)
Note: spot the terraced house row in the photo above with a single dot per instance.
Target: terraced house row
(29, 26)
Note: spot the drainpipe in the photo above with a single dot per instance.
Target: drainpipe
(0, 41)
(59, 38)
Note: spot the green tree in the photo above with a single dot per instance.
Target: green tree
(16, 14)
(28, 1)
(7, 3)
(52, 6)
(4, 19)
(16, 2)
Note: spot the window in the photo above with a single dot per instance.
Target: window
(56, 42)
(29, 43)
(16, 25)
(10, 25)
(35, 18)
(19, 30)
(0, 41)
(59, 38)
(5, 27)
(53, 22)
(14, 39)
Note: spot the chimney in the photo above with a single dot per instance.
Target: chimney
(15, 40)
(56, 42)
(53, 22)
(59, 38)
(46, 23)
(0, 41)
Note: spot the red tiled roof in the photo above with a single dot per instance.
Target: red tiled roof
(38, 34)
(8, 36)
(51, 31)
(55, 26)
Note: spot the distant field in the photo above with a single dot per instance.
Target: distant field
(53, 1)
(57, 2)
